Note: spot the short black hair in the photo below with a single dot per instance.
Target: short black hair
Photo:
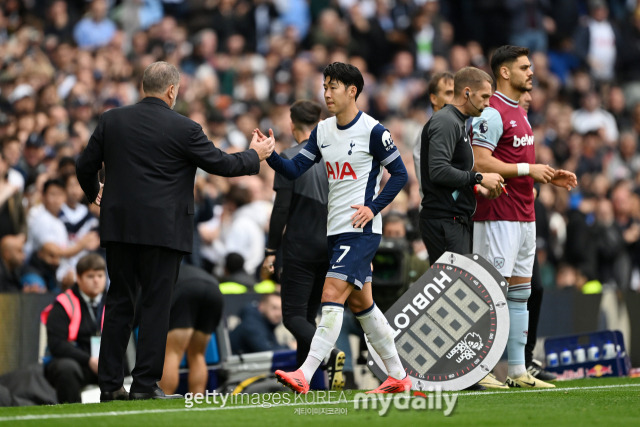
(506, 55)
(347, 74)
(55, 182)
(305, 113)
(234, 262)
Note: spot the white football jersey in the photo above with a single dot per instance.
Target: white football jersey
(354, 156)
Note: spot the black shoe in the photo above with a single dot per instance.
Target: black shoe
(334, 369)
(475, 387)
(536, 371)
(157, 393)
(108, 396)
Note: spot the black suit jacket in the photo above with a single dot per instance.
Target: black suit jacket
(150, 154)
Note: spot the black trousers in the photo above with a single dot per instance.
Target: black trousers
(533, 305)
(445, 234)
(301, 291)
(155, 270)
(68, 377)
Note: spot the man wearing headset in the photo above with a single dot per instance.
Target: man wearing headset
(448, 181)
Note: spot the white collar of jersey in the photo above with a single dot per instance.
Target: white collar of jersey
(510, 102)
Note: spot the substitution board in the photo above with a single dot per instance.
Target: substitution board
(451, 326)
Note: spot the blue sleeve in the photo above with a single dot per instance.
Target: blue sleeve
(295, 167)
(487, 129)
(384, 150)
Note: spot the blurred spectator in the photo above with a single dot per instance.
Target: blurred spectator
(626, 218)
(530, 23)
(592, 117)
(613, 261)
(595, 42)
(256, 330)
(95, 29)
(45, 228)
(11, 260)
(77, 219)
(625, 163)
(12, 215)
(30, 165)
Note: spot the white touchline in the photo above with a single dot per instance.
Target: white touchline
(164, 411)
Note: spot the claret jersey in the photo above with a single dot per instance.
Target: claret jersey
(504, 129)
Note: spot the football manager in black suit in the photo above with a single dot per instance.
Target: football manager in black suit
(150, 156)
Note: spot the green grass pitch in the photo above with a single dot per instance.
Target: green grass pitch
(605, 401)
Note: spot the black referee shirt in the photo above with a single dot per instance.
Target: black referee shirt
(446, 163)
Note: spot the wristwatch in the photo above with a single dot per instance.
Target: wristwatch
(478, 177)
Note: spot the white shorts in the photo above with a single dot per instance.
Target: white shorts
(509, 245)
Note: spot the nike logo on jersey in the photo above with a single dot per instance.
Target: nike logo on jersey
(324, 146)
(522, 142)
(337, 266)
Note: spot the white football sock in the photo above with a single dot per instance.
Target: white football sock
(324, 339)
(380, 336)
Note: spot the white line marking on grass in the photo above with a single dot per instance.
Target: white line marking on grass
(218, 408)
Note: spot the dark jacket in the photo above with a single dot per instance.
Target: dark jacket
(254, 334)
(446, 163)
(151, 153)
(58, 331)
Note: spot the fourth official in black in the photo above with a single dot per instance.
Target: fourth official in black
(448, 181)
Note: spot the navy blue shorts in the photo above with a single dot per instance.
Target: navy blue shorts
(351, 255)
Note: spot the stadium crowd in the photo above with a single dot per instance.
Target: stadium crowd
(243, 63)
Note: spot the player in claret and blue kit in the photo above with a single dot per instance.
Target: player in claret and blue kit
(504, 230)
(354, 148)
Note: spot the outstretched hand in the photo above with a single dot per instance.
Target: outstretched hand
(261, 144)
(564, 178)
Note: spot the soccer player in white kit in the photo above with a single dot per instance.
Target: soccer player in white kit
(354, 147)
(504, 228)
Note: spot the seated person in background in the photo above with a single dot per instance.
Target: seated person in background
(236, 280)
(11, 260)
(72, 320)
(39, 274)
(77, 219)
(44, 227)
(256, 330)
(196, 309)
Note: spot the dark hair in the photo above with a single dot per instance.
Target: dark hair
(238, 195)
(90, 262)
(471, 77)
(305, 113)
(435, 81)
(347, 74)
(66, 160)
(159, 76)
(234, 262)
(506, 55)
(55, 182)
